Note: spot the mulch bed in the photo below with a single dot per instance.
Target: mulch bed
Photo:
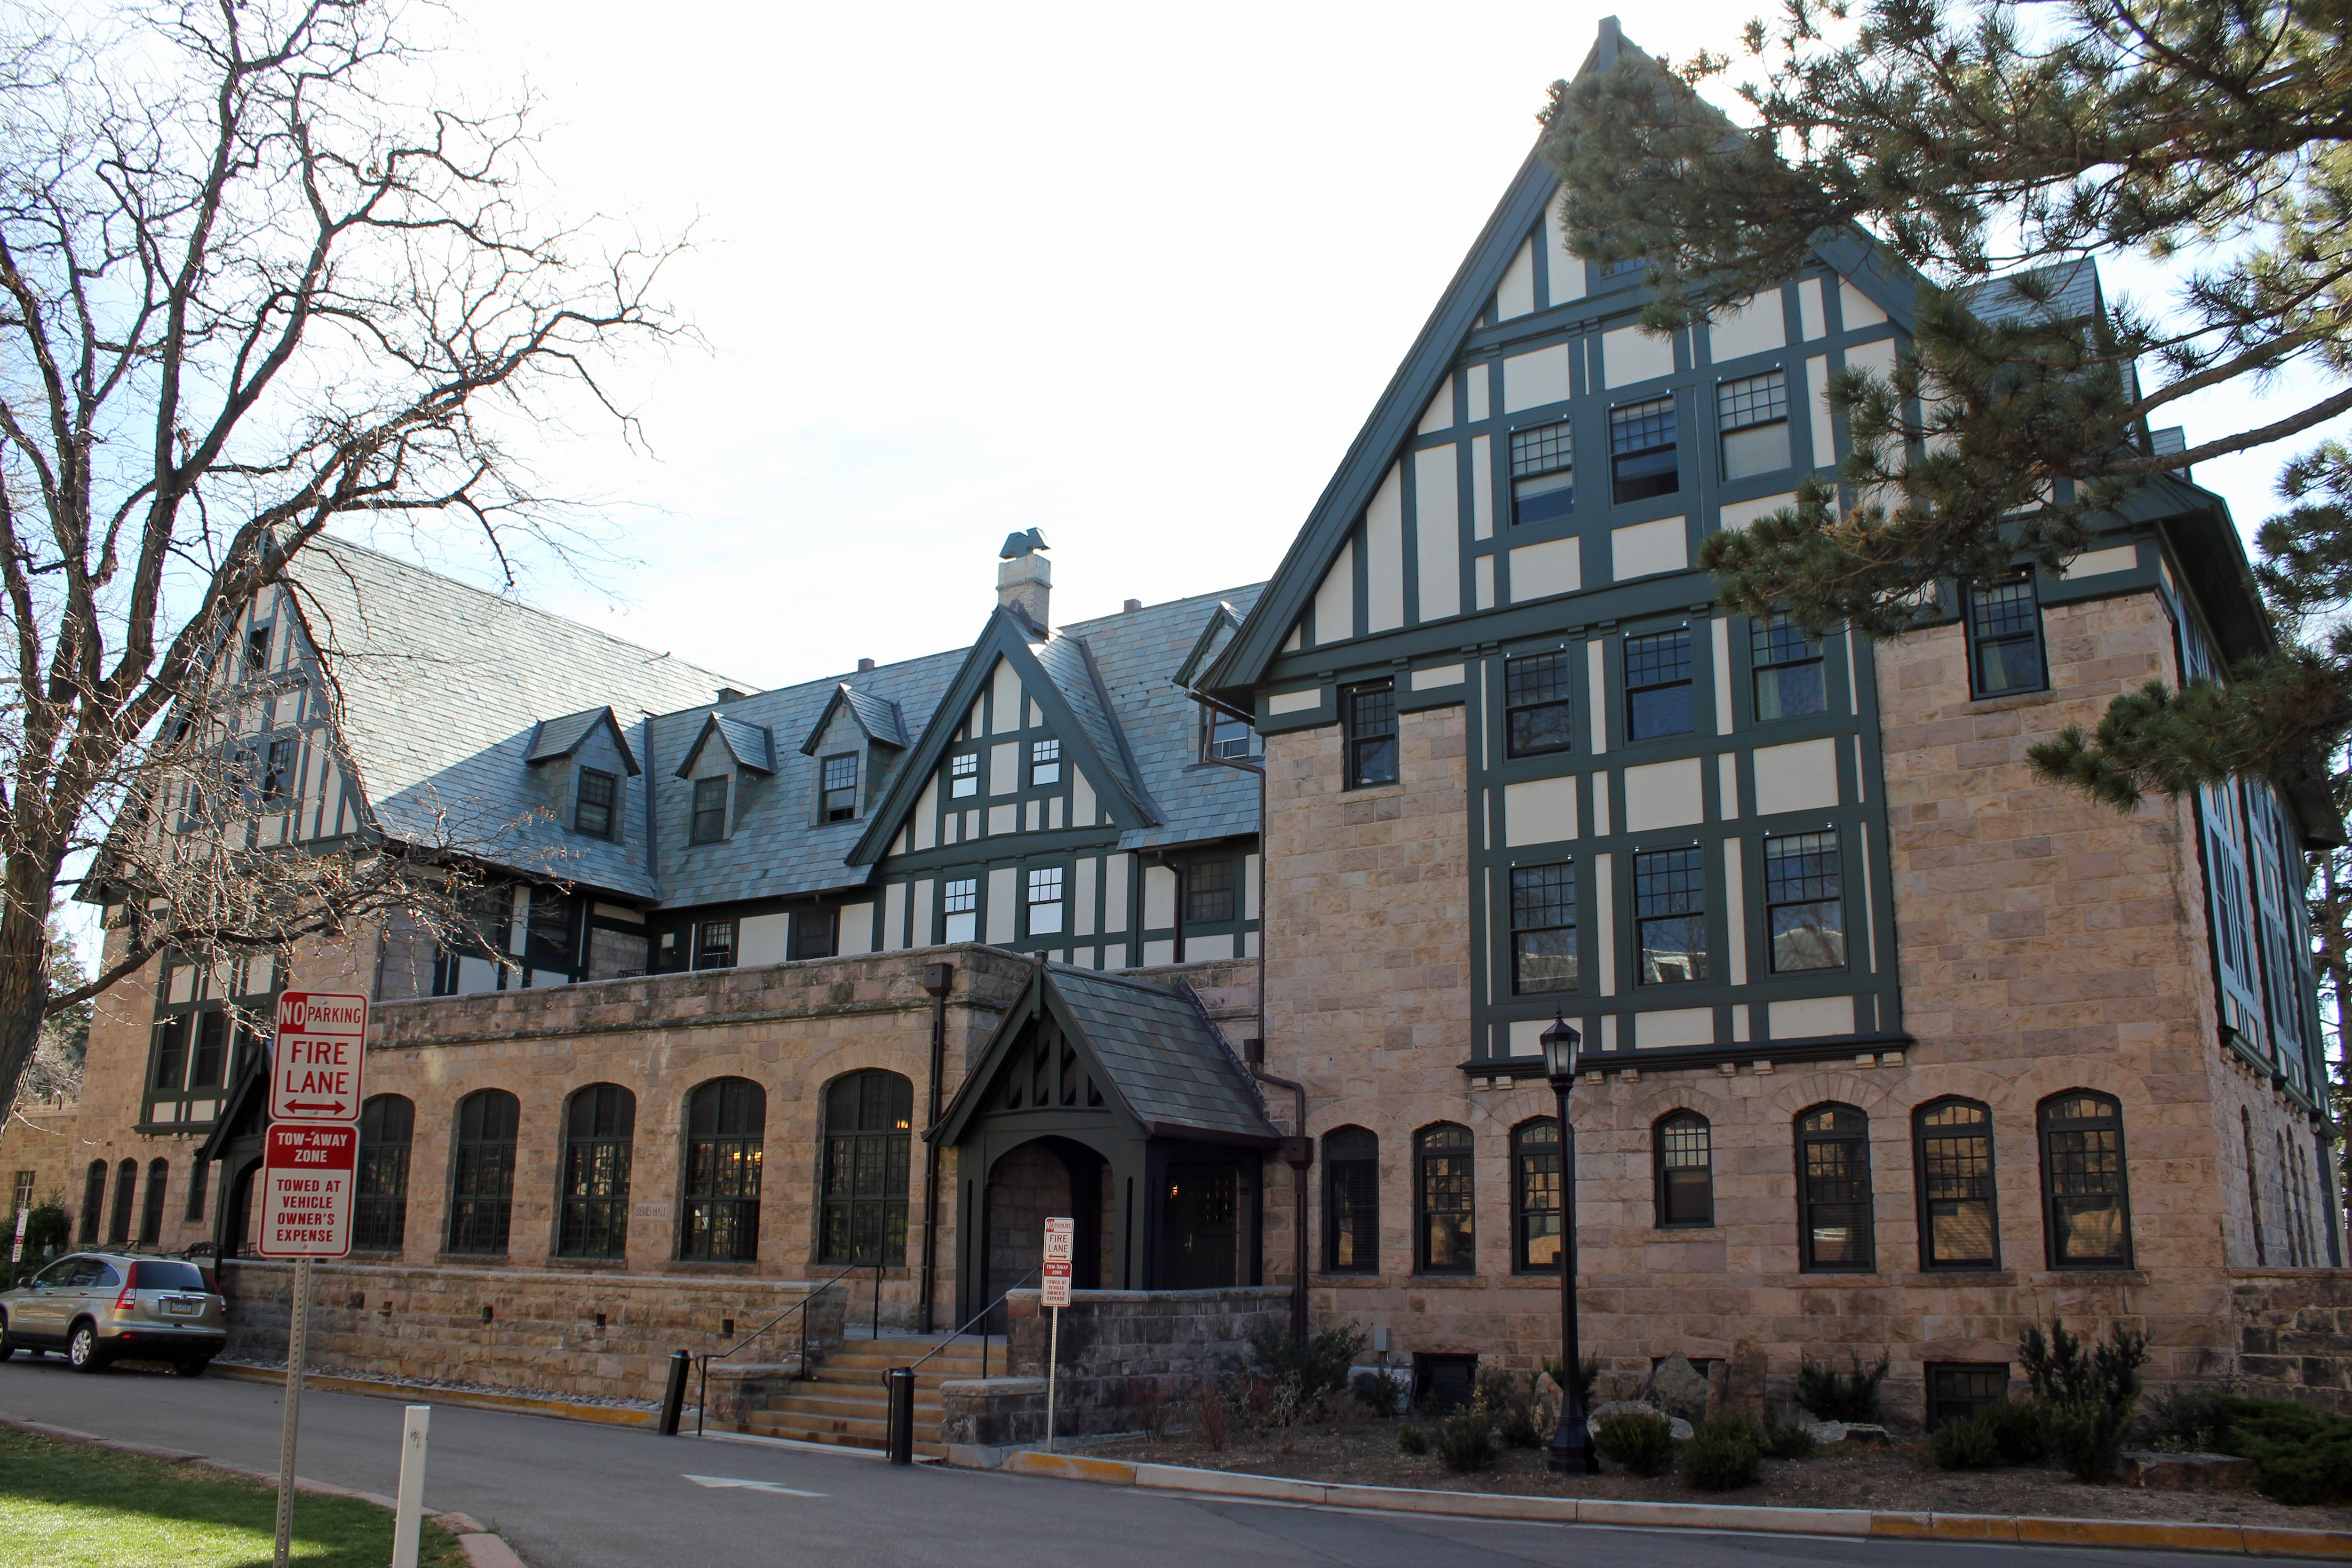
(1363, 1452)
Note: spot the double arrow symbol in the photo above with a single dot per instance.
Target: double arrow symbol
(726, 1481)
(335, 1105)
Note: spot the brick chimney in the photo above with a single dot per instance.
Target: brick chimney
(1025, 579)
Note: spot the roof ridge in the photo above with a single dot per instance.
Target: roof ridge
(1071, 628)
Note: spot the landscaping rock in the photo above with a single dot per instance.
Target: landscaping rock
(1677, 1388)
(1676, 1426)
(1846, 1431)
(2188, 1472)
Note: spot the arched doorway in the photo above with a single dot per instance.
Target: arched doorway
(1026, 1185)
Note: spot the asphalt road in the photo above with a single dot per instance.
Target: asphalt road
(569, 1495)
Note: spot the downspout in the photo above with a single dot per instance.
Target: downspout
(937, 978)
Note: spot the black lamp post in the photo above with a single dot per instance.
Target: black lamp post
(1571, 1445)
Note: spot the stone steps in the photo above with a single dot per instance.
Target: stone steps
(845, 1402)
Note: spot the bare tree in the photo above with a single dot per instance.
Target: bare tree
(244, 292)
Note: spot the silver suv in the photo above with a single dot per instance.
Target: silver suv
(99, 1306)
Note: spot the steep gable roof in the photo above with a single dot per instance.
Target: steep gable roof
(752, 746)
(877, 717)
(561, 738)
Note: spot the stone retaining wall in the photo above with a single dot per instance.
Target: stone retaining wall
(2294, 1329)
(540, 1331)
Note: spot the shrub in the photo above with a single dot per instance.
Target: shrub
(1641, 1440)
(1723, 1455)
(1213, 1416)
(2086, 1438)
(1299, 1375)
(1588, 1373)
(1412, 1439)
(2300, 1455)
(1519, 1419)
(2186, 1419)
(1787, 1440)
(1466, 1439)
(2087, 1396)
(1968, 1444)
(1377, 1394)
(1832, 1396)
(2021, 1432)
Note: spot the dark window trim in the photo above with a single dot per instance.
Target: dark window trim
(611, 804)
(1571, 925)
(862, 1170)
(1976, 641)
(1517, 703)
(700, 1206)
(1688, 681)
(481, 1216)
(1836, 850)
(380, 1183)
(1351, 1146)
(708, 824)
(1424, 1157)
(1535, 1143)
(1366, 730)
(2044, 1127)
(1658, 1169)
(816, 933)
(1942, 1407)
(1867, 1202)
(827, 808)
(1920, 1136)
(709, 957)
(592, 1177)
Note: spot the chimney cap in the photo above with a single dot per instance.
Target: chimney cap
(1131, 606)
(864, 665)
(1018, 544)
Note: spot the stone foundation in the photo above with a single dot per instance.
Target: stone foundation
(2293, 1330)
(541, 1332)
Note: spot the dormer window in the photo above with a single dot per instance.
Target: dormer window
(963, 776)
(257, 650)
(593, 813)
(1230, 737)
(839, 784)
(1044, 762)
(709, 810)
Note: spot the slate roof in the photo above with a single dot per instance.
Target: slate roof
(2077, 294)
(877, 716)
(441, 690)
(752, 745)
(562, 737)
(1193, 800)
(1163, 1055)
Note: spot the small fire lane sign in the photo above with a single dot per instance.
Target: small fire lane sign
(314, 1072)
(306, 1203)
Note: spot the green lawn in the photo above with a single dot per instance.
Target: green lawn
(67, 1505)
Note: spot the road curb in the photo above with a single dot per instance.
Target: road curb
(2245, 1540)
(483, 1549)
(376, 1388)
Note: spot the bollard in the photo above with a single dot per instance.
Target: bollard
(674, 1397)
(410, 1511)
(900, 1381)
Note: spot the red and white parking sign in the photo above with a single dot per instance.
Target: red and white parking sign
(320, 1056)
(1061, 1237)
(306, 1175)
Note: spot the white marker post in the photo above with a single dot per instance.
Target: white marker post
(1061, 1235)
(406, 1518)
(309, 1160)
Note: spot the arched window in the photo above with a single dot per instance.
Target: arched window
(93, 1201)
(724, 1121)
(1445, 1236)
(1834, 1190)
(1535, 1197)
(598, 1127)
(126, 1193)
(1351, 1201)
(380, 1192)
(199, 1175)
(868, 1131)
(2254, 1188)
(1683, 1145)
(1953, 1154)
(151, 1212)
(481, 1196)
(2087, 1209)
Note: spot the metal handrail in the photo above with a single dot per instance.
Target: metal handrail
(976, 1316)
(702, 1362)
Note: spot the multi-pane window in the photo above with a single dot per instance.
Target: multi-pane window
(172, 1049)
(151, 1212)
(1536, 708)
(714, 944)
(1444, 1235)
(959, 902)
(93, 1200)
(1371, 735)
(963, 776)
(2005, 637)
(1231, 737)
(1045, 900)
(1685, 1157)
(1044, 762)
(599, 1128)
(481, 1188)
(20, 1195)
(1804, 909)
(816, 933)
(1643, 461)
(1208, 892)
(726, 1121)
(211, 1056)
(1753, 416)
(1543, 929)
(1833, 1229)
(1658, 685)
(380, 1188)
(1543, 474)
(199, 1174)
(2087, 1213)
(594, 813)
(1535, 1197)
(1351, 1201)
(1670, 915)
(257, 650)
(868, 1125)
(709, 810)
(277, 774)
(1786, 665)
(1956, 1189)
(839, 786)
(1959, 1391)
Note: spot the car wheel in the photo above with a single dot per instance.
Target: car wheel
(81, 1350)
(192, 1367)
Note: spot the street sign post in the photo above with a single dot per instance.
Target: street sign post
(17, 1254)
(318, 1068)
(1061, 1239)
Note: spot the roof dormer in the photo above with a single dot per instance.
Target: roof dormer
(562, 739)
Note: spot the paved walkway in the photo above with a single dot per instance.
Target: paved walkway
(570, 1495)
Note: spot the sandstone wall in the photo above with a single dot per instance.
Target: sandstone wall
(2293, 1330)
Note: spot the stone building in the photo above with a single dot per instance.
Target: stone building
(1891, 1049)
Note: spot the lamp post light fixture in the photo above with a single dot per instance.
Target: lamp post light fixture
(1572, 1444)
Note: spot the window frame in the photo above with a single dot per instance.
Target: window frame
(1214, 720)
(1518, 703)
(1041, 759)
(950, 890)
(1534, 1143)
(705, 950)
(593, 1204)
(741, 1208)
(611, 804)
(380, 1158)
(1661, 1186)
(827, 808)
(152, 1199)
(478, 1213)
(126, 1199)
(1687, 682)
(1514, 908)
(707, 823)
(1769, 656)
(1547, 456)
(1221, 880)
(1775, 397)
(2044, 1131)
(1802, 1140)
(1044, 878)
(1976, 641)
(963, 775)
(1353, 702)
(1619, 452)
(1942, 1407)
(1695, 859)
(1922, 1185)
(1351, 1146)
(279, 754)
(93, 1203)
(814, 929)
(840, 1147)
(1835, 855)
(1428, 1153)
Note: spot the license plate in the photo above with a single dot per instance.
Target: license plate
(183, 1309)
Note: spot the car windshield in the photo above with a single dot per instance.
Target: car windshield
(152, 1274)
